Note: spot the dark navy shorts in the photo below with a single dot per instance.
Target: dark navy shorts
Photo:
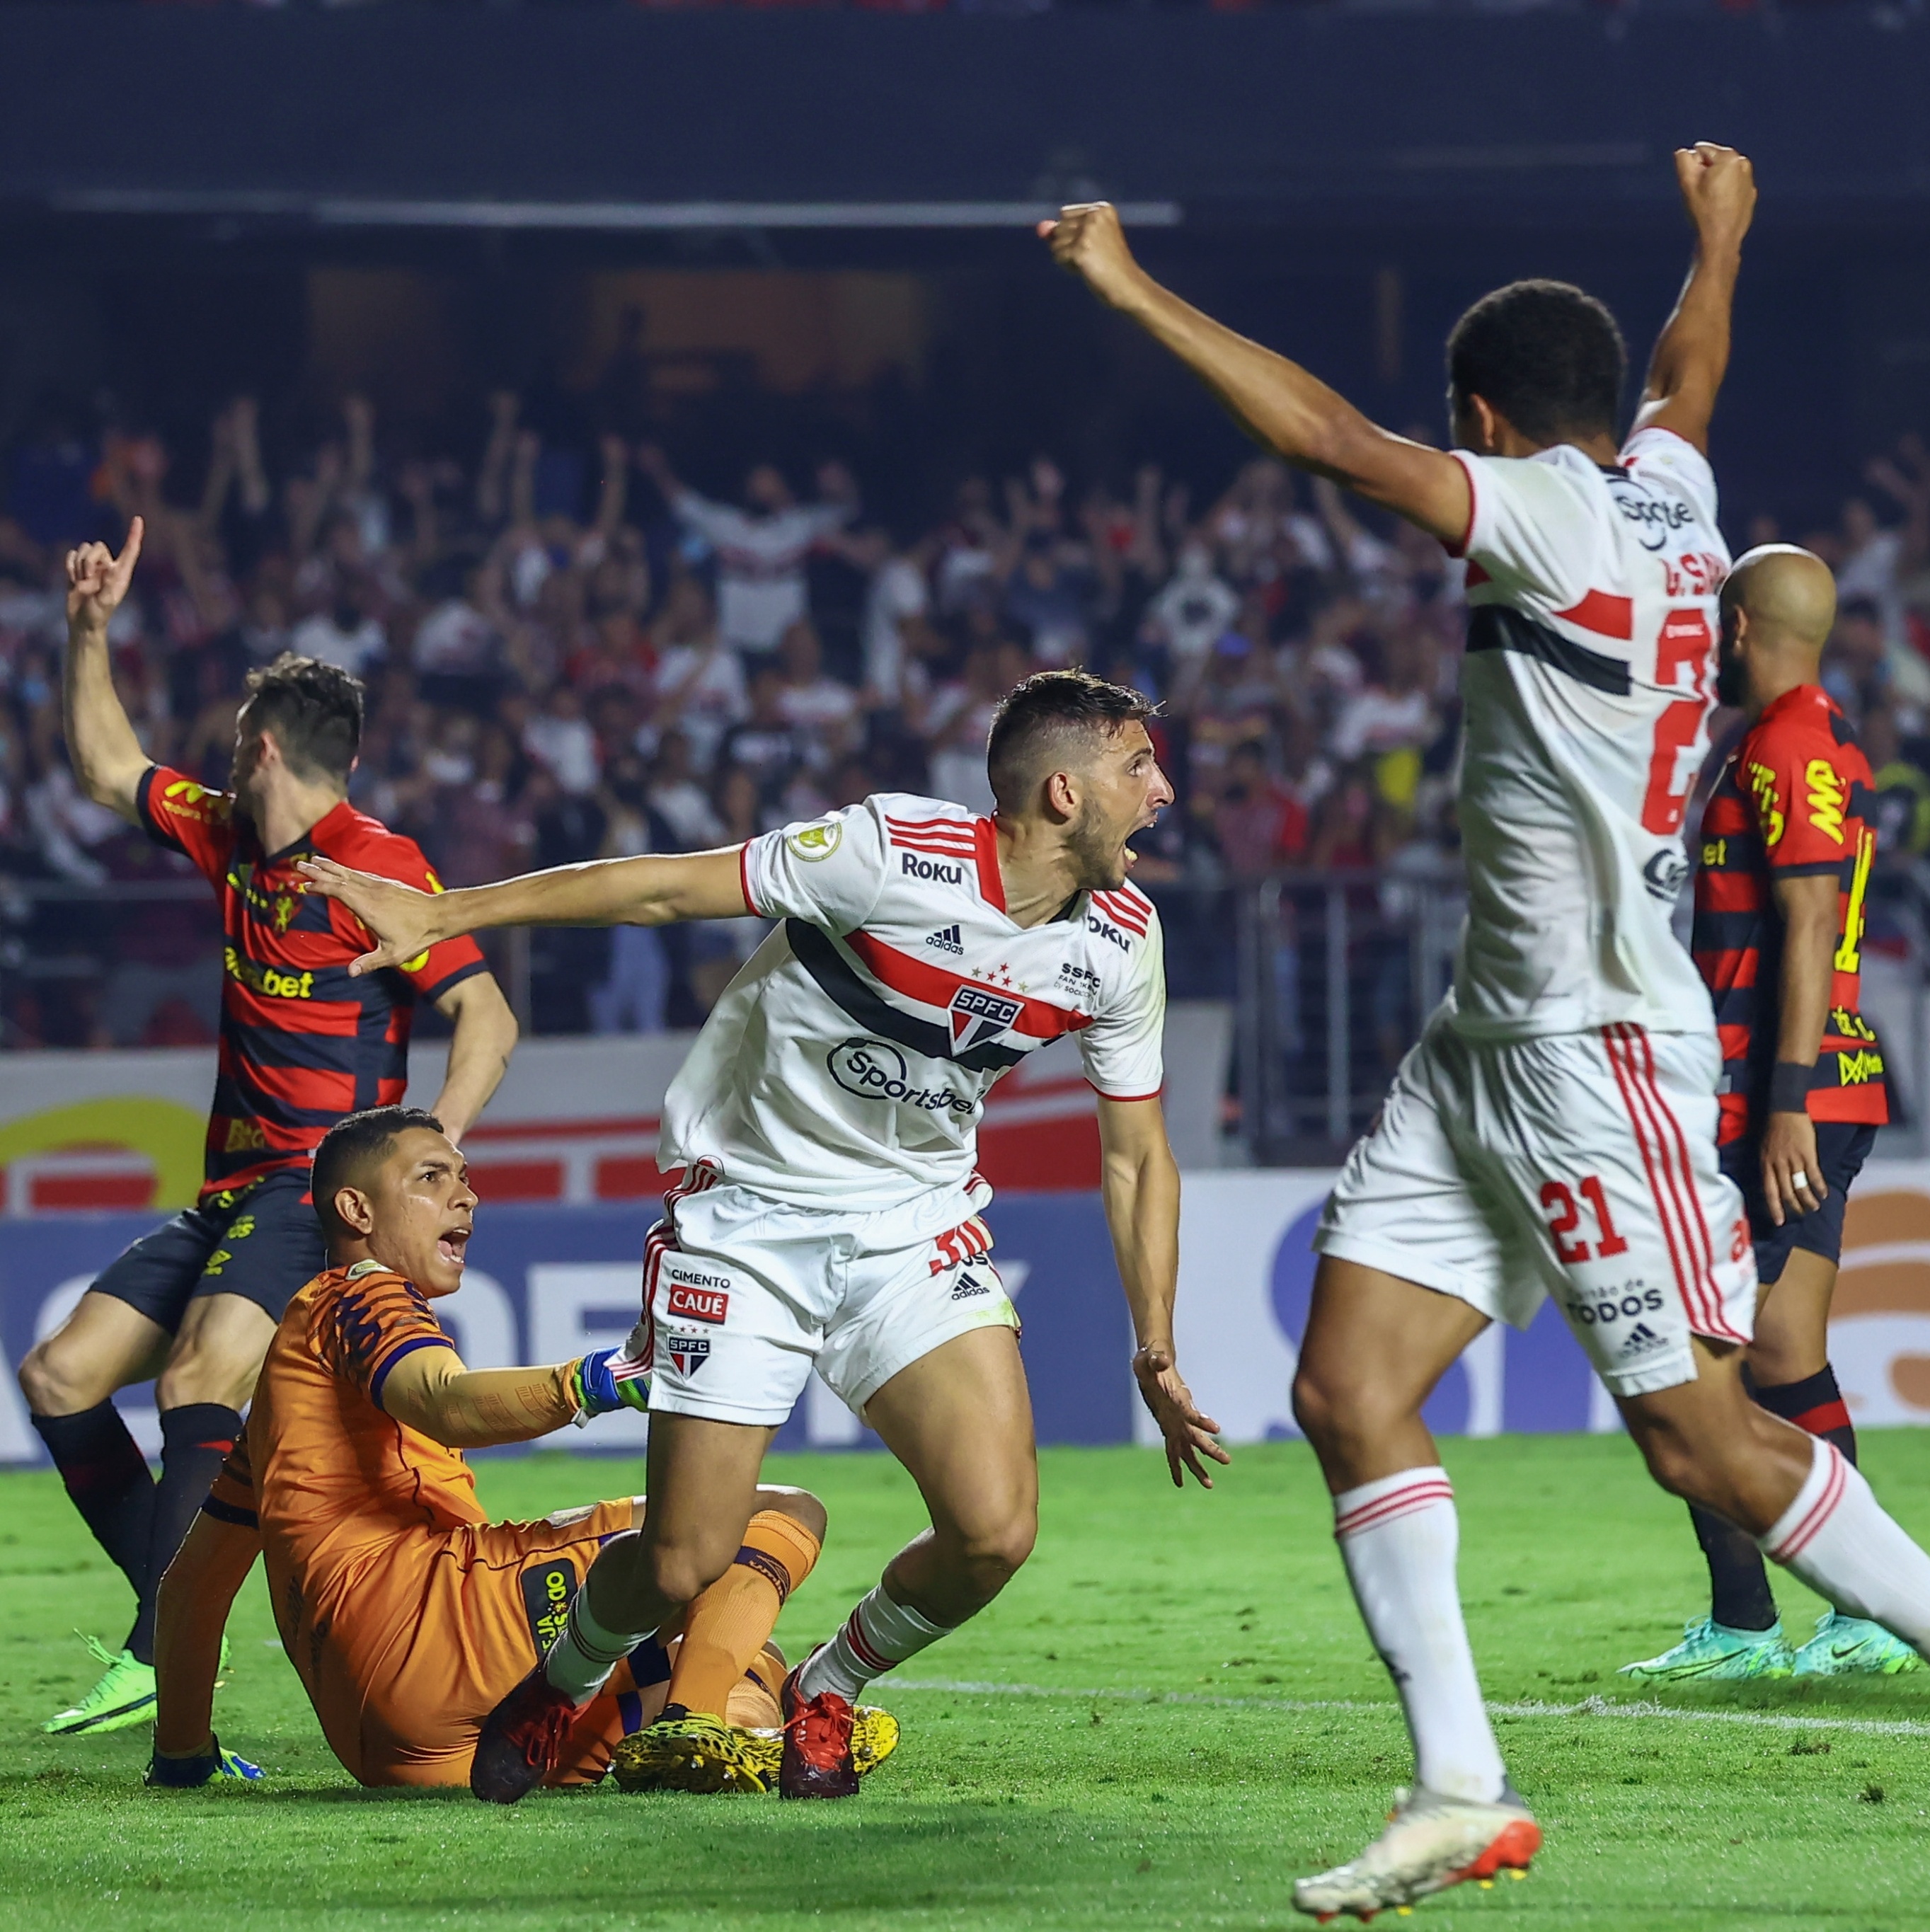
(1841, 1148)
(261, 1242)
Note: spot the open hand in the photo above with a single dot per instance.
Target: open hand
(1718, 188)
(1088, 239)
(1189, 1435)
(401, 921)
(98, 580)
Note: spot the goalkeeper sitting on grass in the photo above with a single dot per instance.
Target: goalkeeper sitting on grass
(407, 1615)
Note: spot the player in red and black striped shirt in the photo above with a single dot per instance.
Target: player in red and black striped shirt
(195, 1303)
(1787, 846)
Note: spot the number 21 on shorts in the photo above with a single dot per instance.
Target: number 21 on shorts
(1564, 1217)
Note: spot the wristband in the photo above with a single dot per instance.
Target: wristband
(1789, 1086)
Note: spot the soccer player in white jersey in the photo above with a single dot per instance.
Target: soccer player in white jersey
(829, 1212)
(1554, 1130)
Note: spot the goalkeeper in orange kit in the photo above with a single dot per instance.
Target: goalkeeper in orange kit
(408, 1615)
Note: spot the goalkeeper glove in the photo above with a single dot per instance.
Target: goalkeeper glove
(606, 1380)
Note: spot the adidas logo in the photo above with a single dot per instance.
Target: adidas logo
(947, 941)
(1640, 1338)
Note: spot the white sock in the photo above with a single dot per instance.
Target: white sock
(878, 1635)
(1840, 1541)
(1399, 1537)
(581, 1659)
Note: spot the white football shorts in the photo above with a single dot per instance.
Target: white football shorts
(1581, 1166)
(743, 1295)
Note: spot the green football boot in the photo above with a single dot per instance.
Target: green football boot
(1851, 1647)
(123, 1696)
(1712, 1653)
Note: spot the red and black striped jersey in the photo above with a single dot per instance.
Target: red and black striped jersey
(302, 1043)
(1793, 798)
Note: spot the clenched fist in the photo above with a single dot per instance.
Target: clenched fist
(1718, 188)
(1087, 238)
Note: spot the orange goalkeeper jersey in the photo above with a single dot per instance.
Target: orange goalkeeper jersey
(342, 1479)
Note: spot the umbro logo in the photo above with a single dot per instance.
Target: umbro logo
(946, 941)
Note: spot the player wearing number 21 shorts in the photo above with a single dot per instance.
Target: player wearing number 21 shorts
(830, 1212)
(1553, 1132)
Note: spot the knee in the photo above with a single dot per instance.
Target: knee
(800, 1505)
(681, 1571)
(993, 1554)
(1334, 1407)
(196, 1372)
(49, 1385)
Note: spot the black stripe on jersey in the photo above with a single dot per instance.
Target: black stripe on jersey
(315, 1052)
(232, 1102)
(1727, 931)
(1816, 868)
(1494, 627)
(843, 988)
(151, 825)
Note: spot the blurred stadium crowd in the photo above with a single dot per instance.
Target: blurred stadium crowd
(569, 654)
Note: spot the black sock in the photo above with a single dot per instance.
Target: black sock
(107, 1478)
(195, 1439)
(1739, 1585)
(1815, 1404)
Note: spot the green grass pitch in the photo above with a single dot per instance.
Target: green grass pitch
(1195, 1718)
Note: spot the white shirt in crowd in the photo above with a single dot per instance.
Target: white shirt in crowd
(760, 589)
(321, 637)
(898, 592)
(1195, 607)
(848, 1064)
(1588, 685)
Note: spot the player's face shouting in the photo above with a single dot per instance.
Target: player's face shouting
(1125, 793)
(424, 1211)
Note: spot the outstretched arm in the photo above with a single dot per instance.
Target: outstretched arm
(1279, 403)
(1139, 1183)
(652, 891)
(1718, 188)
(430, 1390)
(107, 757)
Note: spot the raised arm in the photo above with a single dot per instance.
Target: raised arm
(1276, 401)
(1692, 355)
(1139, 1184)
(107, 757)
(650, 891)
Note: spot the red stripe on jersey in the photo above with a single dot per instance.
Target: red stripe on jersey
(1734, 1041)
(1730, 971)
(1122, 911)
(744, 878)
(991, 883)
(934, 986)
(1620, 1060)
(935, 849)
(961, 825)
(1607, 617)
(1476, 577)
(1729, 892)
(1707, 1246)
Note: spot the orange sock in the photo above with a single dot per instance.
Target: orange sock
(727, 1627)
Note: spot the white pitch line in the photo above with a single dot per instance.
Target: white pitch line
(1588, 1707)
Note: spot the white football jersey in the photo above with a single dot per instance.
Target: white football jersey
(1587, 688)
(848, 1063)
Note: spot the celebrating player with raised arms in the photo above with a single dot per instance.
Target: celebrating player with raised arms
(1554, 1130)
(1787, 847)
(194, 1303)
(829, 1212)
(406, 1613)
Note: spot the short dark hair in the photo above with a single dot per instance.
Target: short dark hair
(354, 1144)
(1548, 356)
(314, 711)
(1033, 717)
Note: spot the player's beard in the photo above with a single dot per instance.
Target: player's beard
(1096, 853)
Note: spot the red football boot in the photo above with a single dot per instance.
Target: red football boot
(522, 1740)
(817, 1761)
